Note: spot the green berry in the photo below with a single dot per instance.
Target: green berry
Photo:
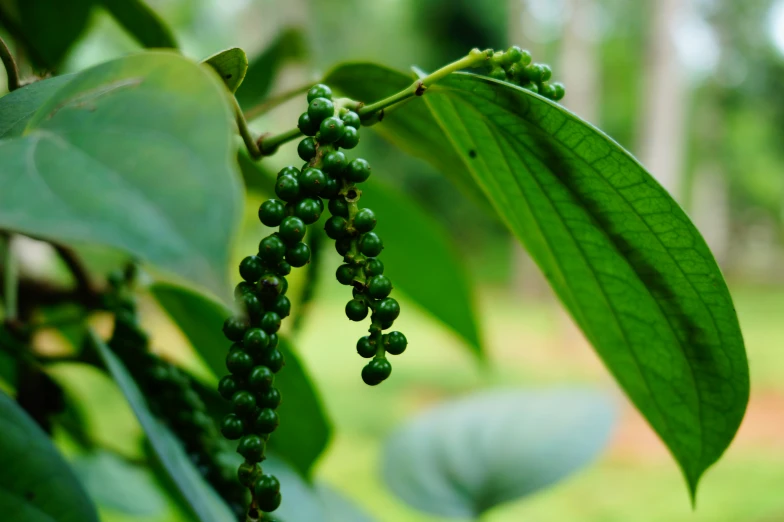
(274, 360)
(497, 73)
(330, 130)
(298, 255)
(273, 340)
(251, 269)
(272, 249)
(232, 427)
(338, 207)
(243, 402)
(238, 362)
(270, 504)
(394, 343)
(319, 91)
(227, 387)
(351, 119)
(356, 310)
(387, 310)
(307, 149)
(281, 306)
(336, 227)
(312, 181)
(366, 347)
(376, 371)
(260, 378)
(334, 162)
(270, 322)
(266, 486)
(345, 274)
(252, 448)
(370, 244)
(331, 188)
(269, 398)
(289, 170)
(283, 269)
(248, 473)
(545, 73)
(349, 139)
(249, 304)
(234, 328)
(320, 109)
(379, 287)
(531, 86)
(266, 421)
(287, 188)
(256, 340)
(243, 288)
(358, 171)
(272, 212)
(308, 210)
(365, 220)
(512, 55)
(292, 230)
(373, 267)
(272, 285)
(559, 91)
(536, 72)
(525, 57)
(305, 125)
(343, 245)
(547, 90)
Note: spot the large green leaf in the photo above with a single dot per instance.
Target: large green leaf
(465, 457)
(410, 235)
(135, 154)
(17, 107)
(231, 65)
(142, 22)
(205, 504)
(288, 46)
(304, 428)
(410, 126)
(36, 484)
(623, 257)
(337, 507)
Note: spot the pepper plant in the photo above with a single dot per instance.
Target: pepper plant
(147, 154)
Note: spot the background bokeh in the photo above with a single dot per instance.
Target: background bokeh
(692, 87)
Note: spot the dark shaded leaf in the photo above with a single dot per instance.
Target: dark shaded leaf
(467, 456)
(142, 22)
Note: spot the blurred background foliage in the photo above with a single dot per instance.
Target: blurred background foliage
(692, 87)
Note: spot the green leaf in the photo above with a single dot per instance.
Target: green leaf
(299, 501)
(116, 484)
(440, 284)
(467, 456)
(339, 508)
(290, 45)
(78, 174)
(36, 484)
(410, 126)
(626, 261)
(231, 65)
(205, 504)
(17, 107)
(47, 28)
(142, 22)
(304, 428)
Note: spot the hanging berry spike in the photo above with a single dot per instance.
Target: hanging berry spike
(516, 66)
(330, 126)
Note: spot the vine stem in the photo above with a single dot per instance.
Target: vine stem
(269, 104)
(247, 136)
(10, 280)
(368, 113)
(10, 66)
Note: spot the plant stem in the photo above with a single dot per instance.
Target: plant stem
(10, 66)
(247, 137)
(418, 88)
(10, 281)
(84, 285)
(269, 144)
(270, 103)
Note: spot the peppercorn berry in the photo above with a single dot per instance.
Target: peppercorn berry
(376, 371)
(272, 212)
(366, 347)
(274, 360)
(270, 322)
(227, 387)
(334, 162)
(319, 91)
(232, 427)
(312, 181)
(349, 139)
(351, 119)
(338, 207)
(305, 125)
(394, 343)
(379, 287)
(356, 310)
(387, 310)
(252, 448)
(269, 398)
(234, 328)
(371, 244)
(292, 229)
(287, 188)
(298, 255)
(330, 130)
(307, 149)
(336, 227)
(266, 421)
(365, 220)
(358, 170)
(320, 109)
(243, 402)
(238, 362)
(374, 266)
(308, 210)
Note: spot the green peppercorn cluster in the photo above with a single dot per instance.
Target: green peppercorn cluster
(515, 66)
(329, 127)
(172, 398)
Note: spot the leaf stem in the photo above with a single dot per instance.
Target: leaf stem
(87, 292)
(10, 66)
(270, 103)
(247, 136)
(10, 281)
(474, 58)
(269, 144)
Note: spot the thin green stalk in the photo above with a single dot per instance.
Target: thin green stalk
(247, 136)
(11, 281)
(418, 88)
(269, 144)
(10, 66)
(270, 103)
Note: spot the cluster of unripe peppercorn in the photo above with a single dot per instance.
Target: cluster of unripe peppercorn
(329, 127)
(516, 66)
(172, 398)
